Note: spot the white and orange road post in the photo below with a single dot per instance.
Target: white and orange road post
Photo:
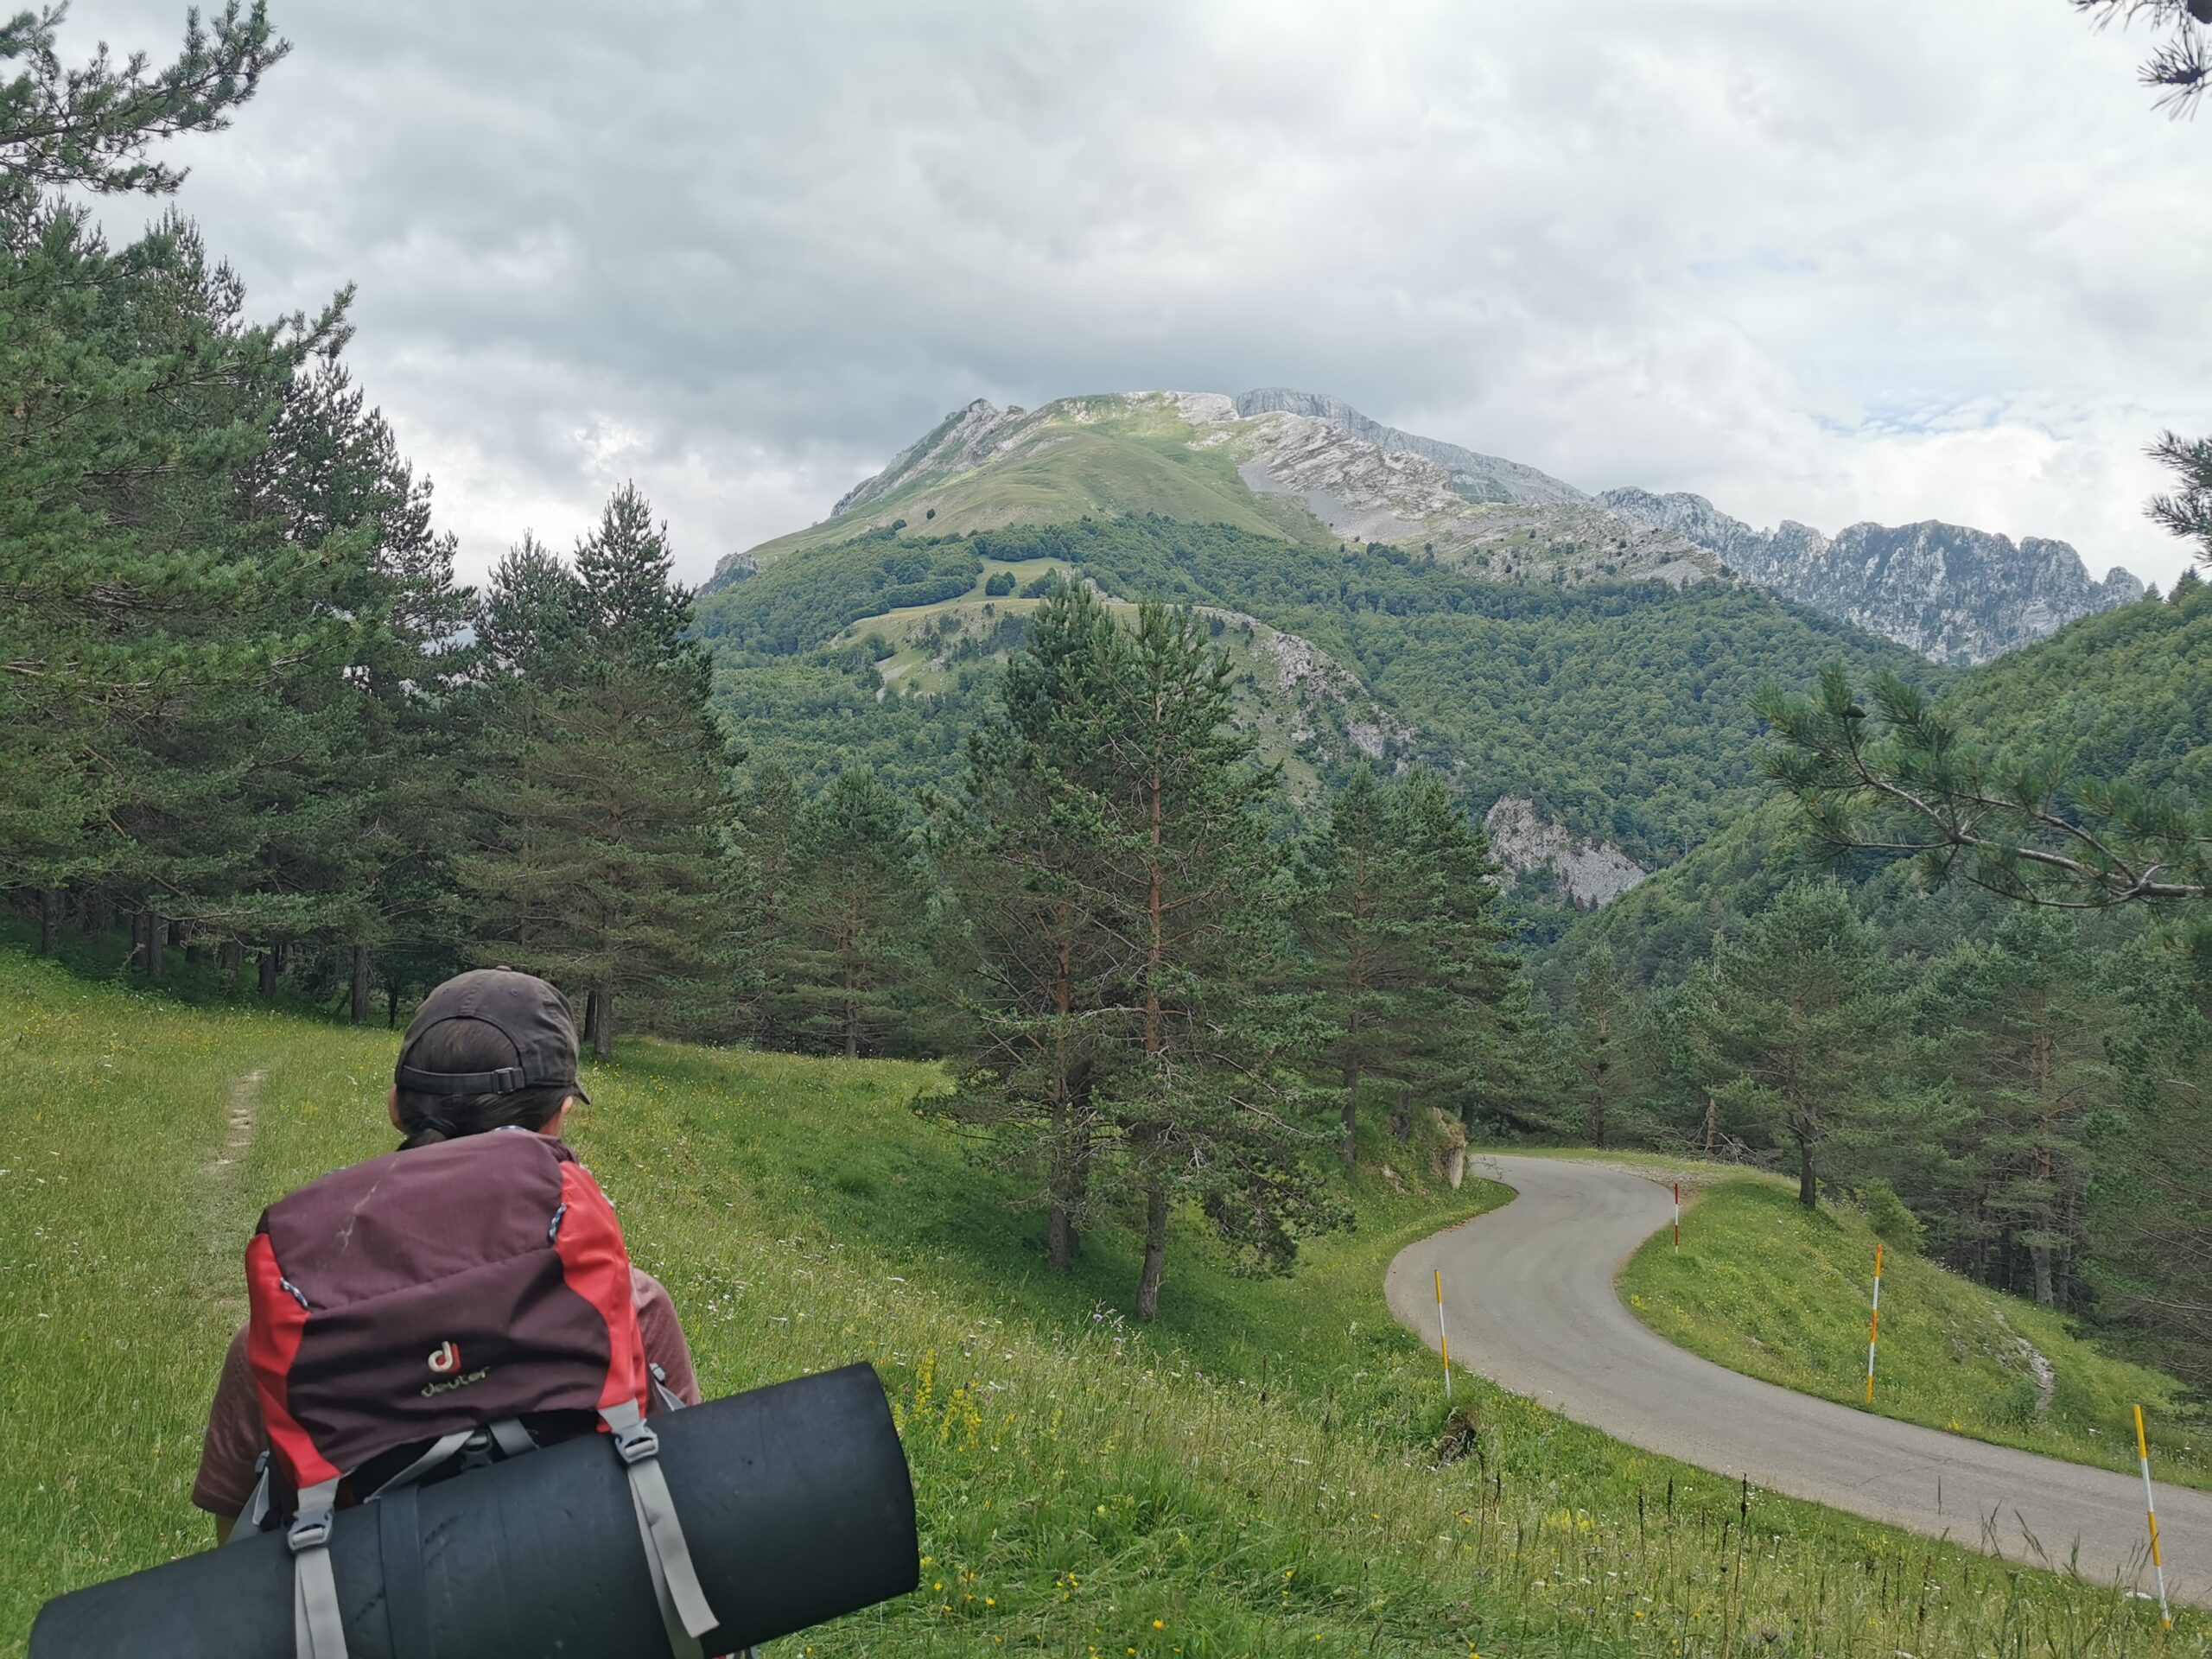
(2151, 1514)
(1678, 1214)
(1874, 1330)
(1442, 1341)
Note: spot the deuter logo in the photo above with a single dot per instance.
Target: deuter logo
(445, 1359)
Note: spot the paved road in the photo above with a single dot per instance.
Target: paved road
(1530, 1303)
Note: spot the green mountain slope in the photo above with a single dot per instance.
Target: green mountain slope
(1100, 456)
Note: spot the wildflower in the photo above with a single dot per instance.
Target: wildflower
(1158, 1624)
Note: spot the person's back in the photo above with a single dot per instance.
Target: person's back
(491, 1051)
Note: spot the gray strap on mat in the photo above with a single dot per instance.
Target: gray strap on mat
(510, 1437)
(676, 1579)
(249, 1523)
(438, 1451)
(318, 1630)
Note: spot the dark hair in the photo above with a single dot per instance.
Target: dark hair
(428, 1119)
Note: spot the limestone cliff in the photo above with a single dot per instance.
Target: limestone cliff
(1956, 595)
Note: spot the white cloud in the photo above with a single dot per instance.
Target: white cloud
(1883, 260)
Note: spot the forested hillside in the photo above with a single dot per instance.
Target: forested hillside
(1621, 708)
(2124, 695)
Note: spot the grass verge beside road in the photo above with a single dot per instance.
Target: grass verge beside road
(1767, 1287)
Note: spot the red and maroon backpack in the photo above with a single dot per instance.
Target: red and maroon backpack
(438, 1308)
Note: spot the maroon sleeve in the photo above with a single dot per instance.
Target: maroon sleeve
(663, 1334)
(235, 1439)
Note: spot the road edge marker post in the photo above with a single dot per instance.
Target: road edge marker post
(2151, 1515)
(1678, 1214)
(1874, 1330)
(1442, 1341)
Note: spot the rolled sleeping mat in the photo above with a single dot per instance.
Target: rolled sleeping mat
(796, 1500)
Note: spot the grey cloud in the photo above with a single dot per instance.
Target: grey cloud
(1882, 260)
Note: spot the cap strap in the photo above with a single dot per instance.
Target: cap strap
(505, 1081)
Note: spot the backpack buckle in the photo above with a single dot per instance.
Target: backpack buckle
(308, 1532)
(636, 1443)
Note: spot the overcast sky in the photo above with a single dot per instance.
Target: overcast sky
(1820, 259)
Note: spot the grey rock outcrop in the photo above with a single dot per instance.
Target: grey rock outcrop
(1951, 593)
(961, 440)
(1473, 477)
(1591, 873)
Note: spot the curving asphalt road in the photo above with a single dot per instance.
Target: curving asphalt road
(1530, 1303)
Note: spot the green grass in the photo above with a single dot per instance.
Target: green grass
(1258, 1474)
(1765, 1286)
(1099, 457)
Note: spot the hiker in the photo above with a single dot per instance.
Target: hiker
(491, 1049)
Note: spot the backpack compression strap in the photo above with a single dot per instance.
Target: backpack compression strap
(318, 1630)
(676, 1579)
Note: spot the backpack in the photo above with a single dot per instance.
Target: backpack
(432, 1310)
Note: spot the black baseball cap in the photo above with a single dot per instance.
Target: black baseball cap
(518, 1033)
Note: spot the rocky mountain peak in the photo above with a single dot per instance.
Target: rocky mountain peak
(1952, 592)
(1473, 477)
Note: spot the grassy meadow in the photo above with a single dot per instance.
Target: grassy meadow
(1765, 1286)
(1269, 1470)
(1100, 456)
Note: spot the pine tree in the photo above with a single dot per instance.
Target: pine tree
(1205, 1110)
(519, 878)
(859, 904)
(367, 793)
(155, 629)
(2148, 1208)
(1789, 1021)
(766, 820)
(1356, 902)
(1600, 1002)
(2021, 1026)
(1022, 852)
(91, 127)
(1477, 1044)
(608, 867)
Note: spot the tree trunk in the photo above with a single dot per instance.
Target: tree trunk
(99, 914)
(1066, 1159)
(50, 921)
(602, 1039)
(1712, 1123)
(1156, 1250)
(268, 973)
(1809, 1189)
(153, 934)
(230, 956)
(2039, 1257)
(361, 1009)
(1348, 1143)
(1401, 1116)
(176, 934)
(390, 1005)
